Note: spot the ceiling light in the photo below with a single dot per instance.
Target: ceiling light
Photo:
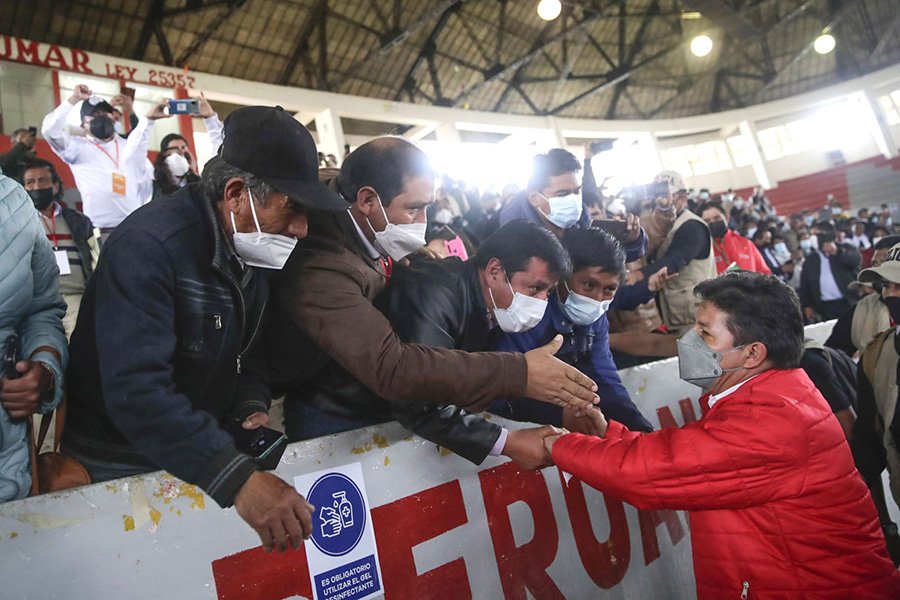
(549, 9)
(824, 43)
(701, 45)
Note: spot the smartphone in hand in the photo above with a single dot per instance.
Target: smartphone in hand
(263, 444)
(184, 106)
(11, 354)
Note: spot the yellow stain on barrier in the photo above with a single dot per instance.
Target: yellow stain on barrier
(128, 522)
(387, 461)
(13, 535)
(380, 440)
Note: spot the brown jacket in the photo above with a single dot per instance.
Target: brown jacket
(326, 292)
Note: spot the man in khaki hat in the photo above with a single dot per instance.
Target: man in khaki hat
(877, 428)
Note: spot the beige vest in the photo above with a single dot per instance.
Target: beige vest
(884, 383)
(870, 317)
(677, 302)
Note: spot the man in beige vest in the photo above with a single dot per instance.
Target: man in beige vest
(687, 251)
(878, 425)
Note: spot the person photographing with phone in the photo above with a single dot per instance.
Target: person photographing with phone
(113, 174)
(827, 273)
(32, 340)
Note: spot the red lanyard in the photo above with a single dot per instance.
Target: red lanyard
(52, 232)
(103, 150)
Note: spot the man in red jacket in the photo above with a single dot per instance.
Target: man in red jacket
(730, 246)
(778, 509)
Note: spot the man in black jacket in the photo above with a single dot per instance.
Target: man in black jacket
(825, 292)
(70, 232)
(13, 162)
(173, 306)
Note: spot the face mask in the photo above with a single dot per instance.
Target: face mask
(781, 248)
(398, 241)
(835, 210)
(809, 221)
(41, 198)
(806, 244)
(258, 249)
(750, 233)
(119, 127)
(718, 229)
(564, 211)
(583, 310)
(443, 216)
(704, 195)
(523, 314)
(893, 306)
(698, 363)
(178, 165)
(102, 128)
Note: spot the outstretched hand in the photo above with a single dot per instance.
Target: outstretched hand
(553, 381)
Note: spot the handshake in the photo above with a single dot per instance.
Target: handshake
(532, 448)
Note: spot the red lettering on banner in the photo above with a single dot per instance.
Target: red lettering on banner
(605, 562)
(649, 521)
(666, 419)
(28, 53)
(404, 523)
(261, 575)
(80, 59)
(5, 47)
(54, 58)
(524, 566)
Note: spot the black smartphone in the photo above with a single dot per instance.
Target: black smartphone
(263, 444)
(618, 229)
(127, 91)
(32, 130)
(598, 146)
(11, 357)
(184, 106)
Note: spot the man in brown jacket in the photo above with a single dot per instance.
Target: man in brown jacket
(324, 324)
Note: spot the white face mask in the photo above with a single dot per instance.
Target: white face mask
(583, 310)
(398, 241)
(523, 314)
(258, 249)
(178, 165)
(443, 216)
(564, 210)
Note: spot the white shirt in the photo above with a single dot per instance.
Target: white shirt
(828, 287)
(716, 397)
(94, 164)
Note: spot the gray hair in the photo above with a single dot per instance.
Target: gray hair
(217, 173)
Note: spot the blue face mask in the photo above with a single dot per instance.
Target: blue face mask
(582, 310)
(564, 210)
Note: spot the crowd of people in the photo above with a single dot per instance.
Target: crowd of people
(175, 309)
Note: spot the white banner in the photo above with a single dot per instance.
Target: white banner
(443, 527)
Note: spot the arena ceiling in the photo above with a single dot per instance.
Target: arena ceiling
(599, 59)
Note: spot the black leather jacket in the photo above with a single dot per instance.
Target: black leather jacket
(439, 303)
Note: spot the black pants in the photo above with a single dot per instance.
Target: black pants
(833, 309)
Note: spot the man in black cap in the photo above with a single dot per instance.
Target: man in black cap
(112, 174)
(172, 308)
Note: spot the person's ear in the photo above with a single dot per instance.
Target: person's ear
(234, 194)
(757, 353)
(366, 200)
(535, 198)
(494, 271)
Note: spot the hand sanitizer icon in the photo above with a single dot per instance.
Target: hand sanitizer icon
(344, 508)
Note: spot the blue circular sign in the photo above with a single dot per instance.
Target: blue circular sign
(340, 516)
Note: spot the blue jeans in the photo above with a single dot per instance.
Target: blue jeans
(305, 421)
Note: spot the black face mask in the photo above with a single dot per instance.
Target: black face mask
(718, 229)
(102, 128)
(893, 306)
(41, 198)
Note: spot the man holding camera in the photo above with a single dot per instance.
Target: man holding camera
(13, 162)
(112, 174)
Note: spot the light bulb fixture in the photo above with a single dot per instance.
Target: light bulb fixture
(824, 43)
(549, 9)
(701, 45)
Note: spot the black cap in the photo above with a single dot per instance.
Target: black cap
(274, 146)
(94, 103)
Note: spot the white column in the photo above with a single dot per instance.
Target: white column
(748, 128)
(877, 125)
(556, 136)
(330, 133)
(650, 148)
(447, 132)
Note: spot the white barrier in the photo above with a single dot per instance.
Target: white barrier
(444, 529)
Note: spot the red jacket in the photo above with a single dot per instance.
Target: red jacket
(775, 498)
(736, 248)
